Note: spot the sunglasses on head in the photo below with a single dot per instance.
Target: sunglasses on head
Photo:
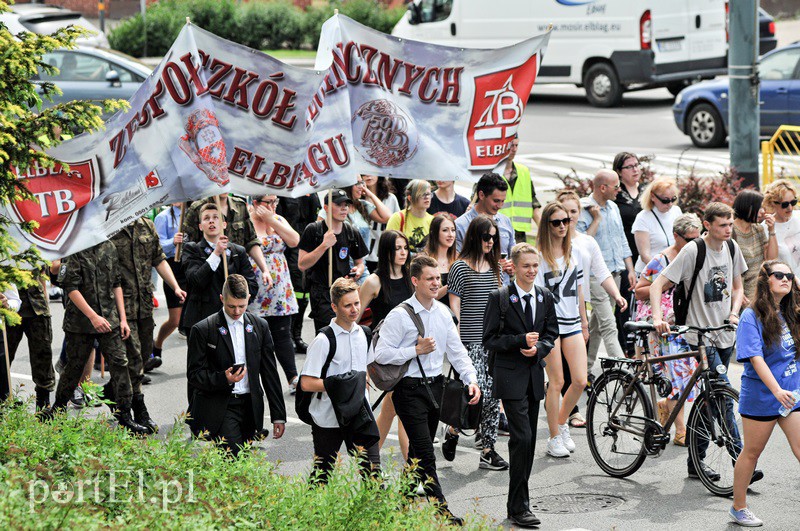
(559, 222)
(666, 200)
(780, 275)
(785, 204)
(486, 237)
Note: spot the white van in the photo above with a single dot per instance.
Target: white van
(606, 46)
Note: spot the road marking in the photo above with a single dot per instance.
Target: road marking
(19, 376)
(598, 114)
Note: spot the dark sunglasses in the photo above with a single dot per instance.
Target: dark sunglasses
(487, 237)
(559, 222)
(666, 200)
(780, 275)
(785, 204)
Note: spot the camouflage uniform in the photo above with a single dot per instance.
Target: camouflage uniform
(94, 273)
(239, 228)
(138, 251)
(36, 326)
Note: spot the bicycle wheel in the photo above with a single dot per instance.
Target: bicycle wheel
(714, 430)
(618, 453)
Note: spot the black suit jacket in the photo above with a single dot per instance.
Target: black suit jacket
(204, 286)
(211, 354)
(512, 370)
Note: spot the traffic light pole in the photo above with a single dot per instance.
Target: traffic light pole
(743, 106)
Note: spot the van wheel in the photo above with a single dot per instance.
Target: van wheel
(705, 126)
(602, 86)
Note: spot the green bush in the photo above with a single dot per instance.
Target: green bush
(270, 25)
(176, 483)
(258, 24)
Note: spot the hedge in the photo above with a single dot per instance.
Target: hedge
(258, 24)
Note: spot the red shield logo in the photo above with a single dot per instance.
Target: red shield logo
(59, 195)
(152, 180)
(500, 99)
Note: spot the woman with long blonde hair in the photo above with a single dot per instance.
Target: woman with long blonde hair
(562, 274)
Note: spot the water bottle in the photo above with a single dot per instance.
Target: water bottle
(783, 411)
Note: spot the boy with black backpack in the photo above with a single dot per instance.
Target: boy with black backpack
(708, 272)
(339, 350)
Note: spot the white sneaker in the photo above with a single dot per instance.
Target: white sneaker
(563, 432)
(555, 447)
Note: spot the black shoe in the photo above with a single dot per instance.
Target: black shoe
(42, 399)
(525, 519)
(709, 472)
(502, 425)
(758, 475)
(491, 460)
(451, 518)
(153, 362)
(146, 380)
(78, 400)
(48, 414)
(300, 346)
(449, 445)
(123, 416)
(141, 415)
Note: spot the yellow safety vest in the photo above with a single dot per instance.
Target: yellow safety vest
(519, 202)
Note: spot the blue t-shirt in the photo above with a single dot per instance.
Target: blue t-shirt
(755, 399)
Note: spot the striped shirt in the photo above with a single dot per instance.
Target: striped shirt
(565, 288)
(473, 289)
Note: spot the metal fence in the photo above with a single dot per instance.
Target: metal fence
(780, 155)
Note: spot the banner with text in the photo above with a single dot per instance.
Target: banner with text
(217, 117)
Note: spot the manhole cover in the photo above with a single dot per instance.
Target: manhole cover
(574, 503)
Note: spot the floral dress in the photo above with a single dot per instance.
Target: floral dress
(279, 299)
(678, 371)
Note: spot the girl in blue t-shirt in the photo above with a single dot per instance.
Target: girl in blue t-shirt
(767, 339)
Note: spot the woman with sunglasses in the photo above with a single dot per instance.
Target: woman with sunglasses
(472, 277)
(442, 247)
(652, 228)
(780, 198)
(685, 229)
(561, 273)
(383, 290)
(766, 343)
(276, 303)
(757, 242)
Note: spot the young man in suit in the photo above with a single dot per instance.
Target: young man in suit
(520, 340)
(231, 366)
(205, 274)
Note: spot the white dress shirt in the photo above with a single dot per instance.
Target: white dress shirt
(521, 292)
(351, 355)
(398, 340)
(236, 329)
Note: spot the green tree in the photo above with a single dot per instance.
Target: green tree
(25, 125)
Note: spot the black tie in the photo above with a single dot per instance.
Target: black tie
(528, 312)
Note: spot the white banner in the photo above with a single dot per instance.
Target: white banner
(218, 117)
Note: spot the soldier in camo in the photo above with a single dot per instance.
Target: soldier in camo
(239, 228)
(36, 326)
(138, 251)
(92, 282)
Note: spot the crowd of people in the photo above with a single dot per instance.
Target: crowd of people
(408, 273)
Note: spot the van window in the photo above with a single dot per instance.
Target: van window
(435, 10)
(780, 66)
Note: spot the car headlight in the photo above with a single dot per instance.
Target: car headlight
(679, 98)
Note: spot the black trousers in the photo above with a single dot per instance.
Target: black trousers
(238, 425)
(327, 442)
(523, 417)
(420, 418)
(280, 327)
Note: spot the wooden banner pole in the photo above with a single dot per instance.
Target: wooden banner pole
(330, 249)
(8, 358)
(221, 221)
(179, 247)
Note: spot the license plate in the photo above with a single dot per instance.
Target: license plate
(669, 46)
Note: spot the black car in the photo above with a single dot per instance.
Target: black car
(766, 32)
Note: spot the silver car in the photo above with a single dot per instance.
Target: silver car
(45, 19)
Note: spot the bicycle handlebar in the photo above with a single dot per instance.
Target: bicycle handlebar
(641, 326)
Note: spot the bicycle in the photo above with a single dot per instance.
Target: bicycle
(622, 426)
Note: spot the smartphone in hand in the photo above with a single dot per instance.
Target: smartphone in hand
(236, 368)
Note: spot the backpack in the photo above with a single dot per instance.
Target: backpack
(302, 399)
(681, 297)
(386, 376)
(504, 305)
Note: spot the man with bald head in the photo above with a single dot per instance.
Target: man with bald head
(600, 219)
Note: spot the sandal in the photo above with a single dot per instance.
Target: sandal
(680, 439)
(576, 420)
